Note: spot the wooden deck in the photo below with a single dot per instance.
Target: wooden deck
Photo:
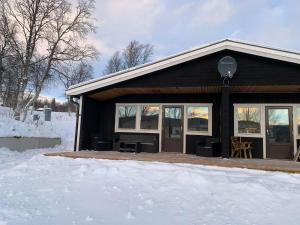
(257, 164)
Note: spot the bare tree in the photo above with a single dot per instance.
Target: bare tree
(133, 55)
(114, 64)
(7, 32)
(64, 37)
(73, 74)
(31, 18)
(136, 53)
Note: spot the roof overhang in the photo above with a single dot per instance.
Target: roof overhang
(135, 72)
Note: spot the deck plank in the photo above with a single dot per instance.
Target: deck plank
(257, 164)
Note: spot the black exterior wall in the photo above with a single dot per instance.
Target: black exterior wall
(252, 71)
(98, 118)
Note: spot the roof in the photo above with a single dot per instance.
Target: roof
(234, 45)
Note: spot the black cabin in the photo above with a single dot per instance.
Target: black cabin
(174, 104)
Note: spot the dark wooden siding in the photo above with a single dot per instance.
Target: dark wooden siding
(252, 70)
(266, 98)
(89, 122)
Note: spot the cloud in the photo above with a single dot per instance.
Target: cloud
(209, 13)
(124, 20)
(174, 25)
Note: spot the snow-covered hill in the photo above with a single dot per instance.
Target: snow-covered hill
(61, 125)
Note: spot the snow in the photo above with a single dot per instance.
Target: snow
(61, 125)
(35, 189)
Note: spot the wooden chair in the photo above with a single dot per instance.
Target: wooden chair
(297, 156)
(246, 149)
(238, 147)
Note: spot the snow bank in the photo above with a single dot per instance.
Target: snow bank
(35, 190)
(62, 125)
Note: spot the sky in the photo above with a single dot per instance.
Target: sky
(173, 26)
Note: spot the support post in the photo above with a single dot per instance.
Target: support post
(79, 126)
(225, 120)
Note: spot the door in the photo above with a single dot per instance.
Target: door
(279, 132)
(172, 129)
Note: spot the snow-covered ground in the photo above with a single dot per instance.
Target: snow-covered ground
(40, 190)
(35, 190)
(61, 125)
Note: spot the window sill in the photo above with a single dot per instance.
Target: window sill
(198, 133)
(137, 131)
(249, 135)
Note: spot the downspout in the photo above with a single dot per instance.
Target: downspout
(77, 118)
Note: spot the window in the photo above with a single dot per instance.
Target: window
(198, 119)
(149, 117)
(248, 120)
(127, 117)
(298, 119)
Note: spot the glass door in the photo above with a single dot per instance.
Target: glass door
(172, 129)
(279, 137)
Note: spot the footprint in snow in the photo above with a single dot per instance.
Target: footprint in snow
(149, 202)
(130, 215)
(89, 219)
(116, 188)
(140, 207)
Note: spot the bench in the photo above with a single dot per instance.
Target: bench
(136, 142)
(130, 147)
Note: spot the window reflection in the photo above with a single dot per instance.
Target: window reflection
(149, 117)
(173, 123)
(298, 119)
(248, 119)
(278, 126)
(127, 116)
(197, 117)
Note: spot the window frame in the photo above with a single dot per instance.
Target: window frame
(295, 122)
(202, 133)
(138, 117)
(261, 109)
(118, 116)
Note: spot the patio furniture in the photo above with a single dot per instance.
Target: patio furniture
(240, 148)
(136, 142)
(98, 144)
(210, 147)
(130, 147)
(297, 156)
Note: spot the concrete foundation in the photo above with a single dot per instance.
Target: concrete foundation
(24, 143)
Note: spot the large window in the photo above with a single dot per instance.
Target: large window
(197, 118)
(149, 117)
(127, 117)
(248, 120)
